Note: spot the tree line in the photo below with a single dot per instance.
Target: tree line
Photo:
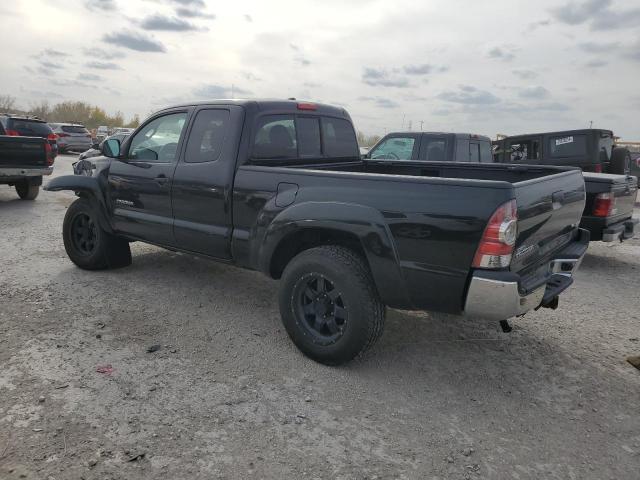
(91, 116)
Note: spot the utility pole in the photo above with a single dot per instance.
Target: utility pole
(590, 123)
(402, 127)
(409, 125)
(421, 123)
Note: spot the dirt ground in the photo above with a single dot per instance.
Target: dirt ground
(227, 395)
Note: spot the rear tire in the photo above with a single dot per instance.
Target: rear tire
(27, 191)
(87, 244)
(620, 161)
(329, 304)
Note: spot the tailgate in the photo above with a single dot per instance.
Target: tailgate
(22, 152)
(623, 187)
(549, 210)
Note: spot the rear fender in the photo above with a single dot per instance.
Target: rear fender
(365, 223)
(87, 187)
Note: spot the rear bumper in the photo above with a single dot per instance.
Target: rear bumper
(620, 231)
(501, 295)
(8, 174)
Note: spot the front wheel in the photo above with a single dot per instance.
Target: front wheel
(27, 191)
(87, 244)
(329, 304)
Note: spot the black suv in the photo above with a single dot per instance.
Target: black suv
(27, 126)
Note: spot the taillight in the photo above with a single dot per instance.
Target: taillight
(498, 239)
(62, 134)
(604, 205)
(52, 136)
(598, 168)
(49, 153)
(13, 133)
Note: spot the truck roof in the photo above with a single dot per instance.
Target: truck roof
(267, 104)
(457, 134)
(563, 132)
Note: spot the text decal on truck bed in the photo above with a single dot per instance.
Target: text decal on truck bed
(562, 141)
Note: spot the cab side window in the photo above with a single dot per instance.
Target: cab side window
(207, 136)
(158, 140)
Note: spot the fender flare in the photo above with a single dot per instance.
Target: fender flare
(87, 187)
(365, 223)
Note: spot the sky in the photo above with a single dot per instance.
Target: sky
(502, 66)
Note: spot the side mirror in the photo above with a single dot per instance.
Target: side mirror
(111, 148)
(95, 145)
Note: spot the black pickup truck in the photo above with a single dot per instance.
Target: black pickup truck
(611, 191)
(279, 187)
(23, 162)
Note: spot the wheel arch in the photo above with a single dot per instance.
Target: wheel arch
(357, 227)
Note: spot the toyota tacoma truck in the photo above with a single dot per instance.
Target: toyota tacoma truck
(279, 187)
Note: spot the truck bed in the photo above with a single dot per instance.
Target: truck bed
(435, 212)
(22, 152)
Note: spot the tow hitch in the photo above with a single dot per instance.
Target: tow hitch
(506, 326)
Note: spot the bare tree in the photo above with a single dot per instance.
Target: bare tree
(41, 110)
(7, 103)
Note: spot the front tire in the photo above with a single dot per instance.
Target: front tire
(87, 244)
(329, 304)
(27, 191)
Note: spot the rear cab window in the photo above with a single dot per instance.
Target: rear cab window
(394, 148)
(303, 137)
(74, 129)
(567, 146)
(29, 128)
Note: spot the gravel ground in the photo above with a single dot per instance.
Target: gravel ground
(228, 396)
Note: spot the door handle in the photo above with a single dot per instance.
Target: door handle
(161, 179)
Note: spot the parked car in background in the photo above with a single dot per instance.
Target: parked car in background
(102, 132)
(28, 126)
(125, 130)
(635, 165)
(433, 147)
(71, 137)
(279, 187)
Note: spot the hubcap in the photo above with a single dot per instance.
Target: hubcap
(83, 234)
(321, 309)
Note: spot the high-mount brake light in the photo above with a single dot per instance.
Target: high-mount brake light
(604, 205)
(598, 168)
(307, 106)
(499, 237)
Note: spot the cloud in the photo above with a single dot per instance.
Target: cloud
(50, 52)
(248, 18)
(92, 77)
(501, 53)
(380, 102)
(134, 41)
(218, 91)
(423, 69)
(164, 23)
(102, 65)
(552, 107)
(105, 5)
(96, 52)
(533, 92)
(596, 64)
(48, 64)
(524, 74)
(302, 61)
(599, 13)
(470, 96)
(188, 13)
(593, 47)
(190, 3)
(70, 83)
(381, 77)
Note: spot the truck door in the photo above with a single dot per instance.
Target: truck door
(140, 181)
(203, 181)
